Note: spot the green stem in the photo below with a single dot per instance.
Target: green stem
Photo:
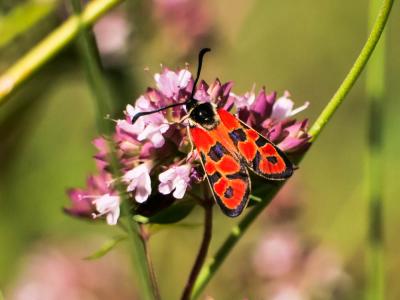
(101, 91)
(94, 71)
(237, 232)
(149, 262)
(139, 259)
(354, 72)
(202, 254)
(375, 90)
(57, 40)
(208, 271)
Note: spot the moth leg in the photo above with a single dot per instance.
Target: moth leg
(190, 155)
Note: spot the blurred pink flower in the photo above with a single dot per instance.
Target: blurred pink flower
(187, 23)
(109, 206)
(175, 179)
(324, 270)
(51, 272)
(277, 254)
(112, 34)
(293, 267)
(286, 291)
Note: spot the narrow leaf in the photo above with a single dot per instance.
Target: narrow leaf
(22, 18)
(106, 247)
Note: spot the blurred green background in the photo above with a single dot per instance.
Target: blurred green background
(305, 47)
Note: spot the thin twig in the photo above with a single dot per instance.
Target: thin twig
(202, 254)
(145, 239)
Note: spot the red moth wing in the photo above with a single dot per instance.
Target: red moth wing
(226, 174)
(258, 153)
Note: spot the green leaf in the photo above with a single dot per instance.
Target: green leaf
(141, 219)
(254, 200)
(22, 18)
(106, 247)
(1, 296)
(174, 213)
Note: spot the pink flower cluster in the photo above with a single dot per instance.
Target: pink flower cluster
(292, 267)
(155, 151)
(57, 271)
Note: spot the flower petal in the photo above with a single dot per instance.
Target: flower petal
(282, 108)
(299, 109)
(143, 189)
(166, 176)
(165, 187)
(180, 189)
(112, 216)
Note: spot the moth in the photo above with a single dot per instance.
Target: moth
(228, 149)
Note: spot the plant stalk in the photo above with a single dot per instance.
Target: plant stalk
(153, 279)
(202, 254)
(103, 96)
(375, 90)
(57, 40)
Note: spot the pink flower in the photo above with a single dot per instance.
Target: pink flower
(98, 199)
(286, 291)
(112, 34)
(296, 137)
(187, 23)
(108, 205)
(170, 83)
(245, 101)
(277, 254)
(138, 180)
(150, 127)
(175, 179)
(82, 199)
(57, 271)
(283, 107)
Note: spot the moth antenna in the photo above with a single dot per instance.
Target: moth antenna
(200, 63)
(144, 113)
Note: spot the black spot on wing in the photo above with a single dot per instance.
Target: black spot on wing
(238, 210)
(214, 177)
(229, 192)
(238, 135)
(217, 152)
(256, 161)
(272, 159)
(261, 141)
(239, 175)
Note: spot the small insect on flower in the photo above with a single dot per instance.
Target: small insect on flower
(228, 148)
